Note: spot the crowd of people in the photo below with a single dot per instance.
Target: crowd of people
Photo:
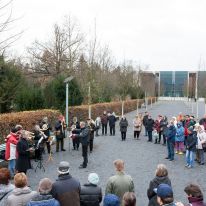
(67, 190)
(181, 135)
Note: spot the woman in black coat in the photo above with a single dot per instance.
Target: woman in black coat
(161, 177)
(123, 124)
(23, 161)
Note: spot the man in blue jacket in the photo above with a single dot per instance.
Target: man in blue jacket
(170, 136)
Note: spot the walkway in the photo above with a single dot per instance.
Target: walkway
(141, 159)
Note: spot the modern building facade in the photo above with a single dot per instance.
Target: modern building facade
(175, 83)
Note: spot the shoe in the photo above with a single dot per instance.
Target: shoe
(202, 163)
(186, 165)
(74, 149)
(166, 158)
(155, 142)
(63, 150)
(180, 153)
(158, 143)
(82, 167)
(189, 167)
(171, 159)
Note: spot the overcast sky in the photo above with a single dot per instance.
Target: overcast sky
(166, 34)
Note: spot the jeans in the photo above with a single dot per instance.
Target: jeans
(160, 136)
(145, 131)
(84, 155)
(149, 136)
(11, 166)
(190, 158)
(170, 149)
(91, 142)
(59, 141)
(112, 130)
(104, 129)
(123, 134)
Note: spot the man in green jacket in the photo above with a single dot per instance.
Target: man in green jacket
(119, 183)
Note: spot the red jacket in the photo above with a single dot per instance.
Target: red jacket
(11, 139)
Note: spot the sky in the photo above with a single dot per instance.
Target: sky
(164, 34)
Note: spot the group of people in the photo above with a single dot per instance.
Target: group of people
(67, 190)
(181, 133)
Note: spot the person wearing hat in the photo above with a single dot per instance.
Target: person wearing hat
(66, 189)
(190, 144)
(111, 200)
(91, 194)
(44, 197)
(165, 195)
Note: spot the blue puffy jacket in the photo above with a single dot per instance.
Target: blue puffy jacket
(180, 136)
(43, 200)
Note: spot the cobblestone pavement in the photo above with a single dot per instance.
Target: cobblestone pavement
(141, 158)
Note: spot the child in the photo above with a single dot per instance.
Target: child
(155, 135)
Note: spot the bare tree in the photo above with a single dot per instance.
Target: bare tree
(6, 24)
(60, 53)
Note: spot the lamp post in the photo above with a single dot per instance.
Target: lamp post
(66, 81)
(196, 96)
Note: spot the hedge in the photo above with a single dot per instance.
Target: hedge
(29, 118)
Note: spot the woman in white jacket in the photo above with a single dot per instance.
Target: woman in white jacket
(201, 139)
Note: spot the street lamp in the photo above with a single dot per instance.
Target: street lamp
(66, 81)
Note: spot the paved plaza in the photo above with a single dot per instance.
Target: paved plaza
(141, 158)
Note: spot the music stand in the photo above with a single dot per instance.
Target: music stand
(40, 165)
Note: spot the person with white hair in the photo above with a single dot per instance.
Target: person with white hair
(201, 143)
(91, 194)
(66, 189)
(44, 197)
(23, 161)
(112, 119)
(83, 135)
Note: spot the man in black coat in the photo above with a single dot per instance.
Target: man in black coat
(91, 194)
(112, 120)
(145, 118)
(84, 140)
(66, 189)
(149, 127)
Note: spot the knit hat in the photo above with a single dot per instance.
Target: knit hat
(63, 167)
(191, 129)
(164, 191)
(111, 200)
(45, 186)
(93, 178)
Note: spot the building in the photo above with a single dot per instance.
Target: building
(174, 83)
